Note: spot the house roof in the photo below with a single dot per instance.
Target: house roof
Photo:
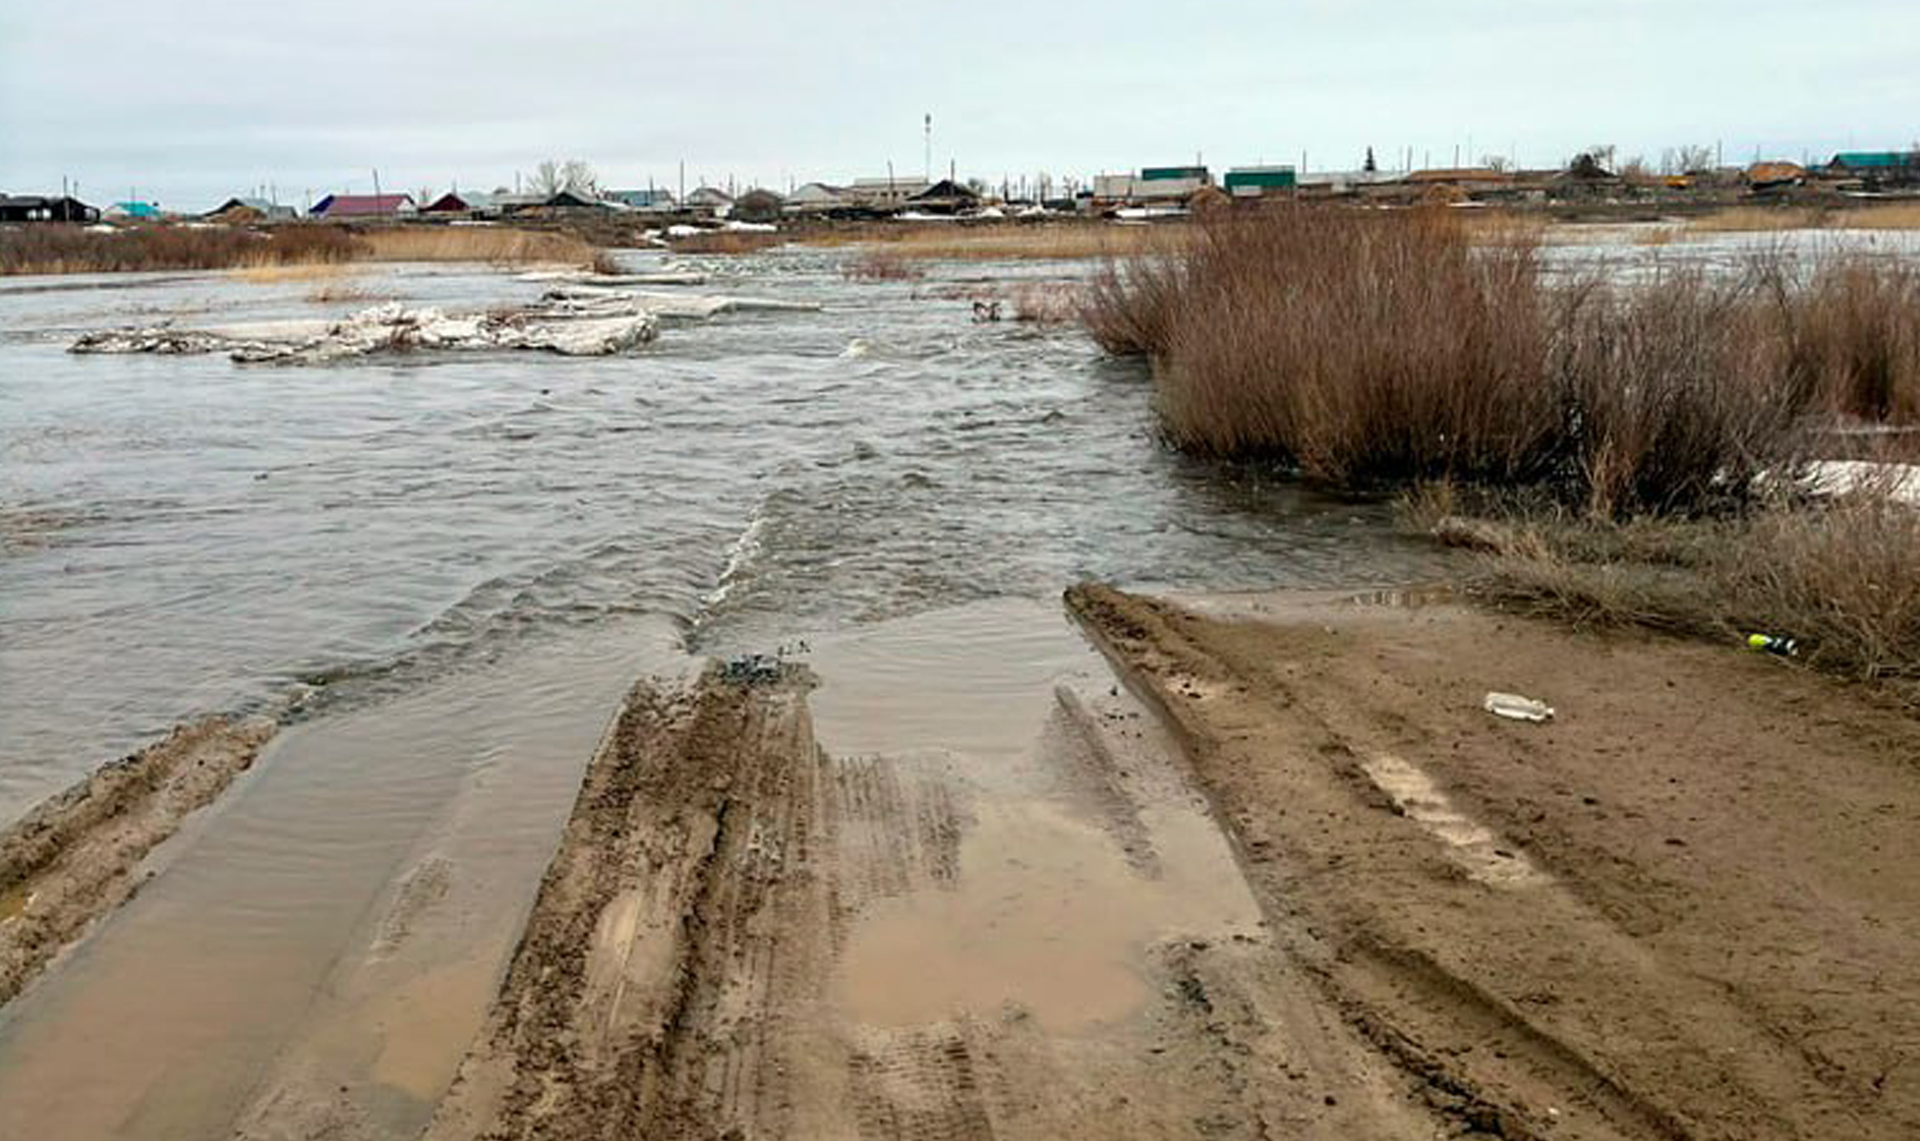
(1880, 160)
(708, 194)
(1775, 172)
(652, 196)
(947, 188)
(357, 205)
(1460, 174)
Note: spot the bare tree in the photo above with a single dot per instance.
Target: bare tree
(573, 176)
(1688, 159)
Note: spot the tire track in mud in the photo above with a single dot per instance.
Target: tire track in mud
(1525, 1012)
(685, 970)
(77, 856)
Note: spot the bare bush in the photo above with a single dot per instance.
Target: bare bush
(1370, 348)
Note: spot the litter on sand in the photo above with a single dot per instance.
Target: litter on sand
(1514, 707)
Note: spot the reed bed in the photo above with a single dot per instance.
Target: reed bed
(1003, 241)
(1374, 349)
(1784, 216)
(728, 242)
(54, 249)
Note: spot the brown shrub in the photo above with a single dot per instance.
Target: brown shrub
(1671, 393)
(1853, 335)
(1368, 347)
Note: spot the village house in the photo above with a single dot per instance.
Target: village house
(132, 211)
(1876, 168)
(45, 208)
(885, 194)
(240, 210)
(945, 197)
(348, 206)
(709, 200)
(653, 200)
(818, 198)
(1153, 186)
(757, 205)
(1259, 181)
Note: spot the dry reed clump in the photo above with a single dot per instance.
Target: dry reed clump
(1670, 395)
(1047, 302)
(1002, 241)
(50, 249)
(475, 243)
(1835, 575)
(1361, 347)
(1369, 348)
(881, 264)
(1852, 335)
(727, 242)
(74, 249)
(1785, 216)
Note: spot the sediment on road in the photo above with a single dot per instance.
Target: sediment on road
(1678, 910)
(744, 936)
(636, 965)
(78, 855)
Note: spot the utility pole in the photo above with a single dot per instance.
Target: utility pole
(376, 189)
(926, 171)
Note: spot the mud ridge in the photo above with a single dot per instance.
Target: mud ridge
(77, 856)
(614, 1018)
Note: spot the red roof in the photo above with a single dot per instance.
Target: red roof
(351, 205)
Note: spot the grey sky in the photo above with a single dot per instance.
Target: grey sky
(192, 100)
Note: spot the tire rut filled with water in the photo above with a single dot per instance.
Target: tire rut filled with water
(952, 927)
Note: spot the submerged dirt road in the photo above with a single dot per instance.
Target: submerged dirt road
(1001, 914)
(1686, 908)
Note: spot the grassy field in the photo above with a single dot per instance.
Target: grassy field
(45, 249)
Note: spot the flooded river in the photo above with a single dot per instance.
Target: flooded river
(442, 572)
(182, 535)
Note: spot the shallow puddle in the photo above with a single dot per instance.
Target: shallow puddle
(1070, 866)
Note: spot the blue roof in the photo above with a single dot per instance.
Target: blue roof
(137, 209)
(1857, 159)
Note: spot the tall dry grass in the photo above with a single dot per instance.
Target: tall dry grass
(475, 244)
(1851, 333)
(1372, 348)
(53, 249)
(1001, 241)
(1788, 216)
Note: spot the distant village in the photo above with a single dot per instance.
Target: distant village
(1150, 192)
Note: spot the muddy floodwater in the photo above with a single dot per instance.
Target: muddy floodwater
(181, 534)
(441, 574)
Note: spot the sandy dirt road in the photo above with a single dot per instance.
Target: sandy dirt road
(1685, 908)
(1003, 915)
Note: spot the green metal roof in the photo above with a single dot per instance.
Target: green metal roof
(1879, 159)
(1278, 177)
(1158, 173)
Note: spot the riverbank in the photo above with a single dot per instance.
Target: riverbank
(1675, 910)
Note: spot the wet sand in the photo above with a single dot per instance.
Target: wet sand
(1684, 908)
(79, 855)
(315, 956)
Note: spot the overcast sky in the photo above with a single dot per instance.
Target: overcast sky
(189, 101)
